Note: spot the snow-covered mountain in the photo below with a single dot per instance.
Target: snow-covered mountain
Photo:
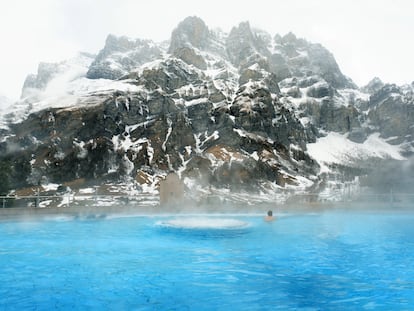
(242, 112)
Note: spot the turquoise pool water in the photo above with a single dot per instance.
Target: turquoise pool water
(326, 261)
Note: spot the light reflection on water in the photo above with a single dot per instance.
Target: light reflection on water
(320, 261)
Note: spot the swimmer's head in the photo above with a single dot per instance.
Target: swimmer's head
(269, 213)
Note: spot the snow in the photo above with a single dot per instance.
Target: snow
(169, 131)
(213, 136)
(352, 94)
(336, 148)
(125, 143)
(305, 121)
(45, 203)
(83, 152)
(150, 152)
(379, 146)
(293, 102)
(252, 136)
(84, 86)
(50, 187)
(252, 86)
(255, 67)
(151, 188)
(342, 97)
(200, 143)
(222, 73)
(59, 155)
(66, 200)
(130, 128)
(302, 183)
(197, 143)
(214, 72)
(188, 150)
(77, 93)
(241, 132)
(255, 156)
(183, 167)
(196, 101)
(87, 191)
(128, 164)
(69, 87)
(155, 64)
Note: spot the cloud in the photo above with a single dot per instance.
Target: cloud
(28, 36)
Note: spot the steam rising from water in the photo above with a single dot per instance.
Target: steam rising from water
(204, 223)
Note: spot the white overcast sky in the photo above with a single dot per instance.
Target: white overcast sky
(367, 37)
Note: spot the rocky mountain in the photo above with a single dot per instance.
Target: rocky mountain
(242, 112)
(121, 55)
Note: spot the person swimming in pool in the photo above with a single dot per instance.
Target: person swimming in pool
(269, 216)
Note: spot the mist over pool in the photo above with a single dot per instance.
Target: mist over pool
(347, 260)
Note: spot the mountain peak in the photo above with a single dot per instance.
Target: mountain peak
(290, 37)
(243, 26)
(373, 86)
(191, 32)
(120, 55)
(243, 44)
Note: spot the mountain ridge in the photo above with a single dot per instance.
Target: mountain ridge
(228, 112)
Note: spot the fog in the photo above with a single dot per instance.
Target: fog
(391, 176)
(388, 186)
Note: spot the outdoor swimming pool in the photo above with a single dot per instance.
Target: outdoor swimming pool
(322, 261)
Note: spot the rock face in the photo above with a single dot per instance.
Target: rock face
(293, 57)
(391, 112)
(189, 38)
(245, 47)
(373, 86)
(192, 32)
(230, 111)
(120, 55)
